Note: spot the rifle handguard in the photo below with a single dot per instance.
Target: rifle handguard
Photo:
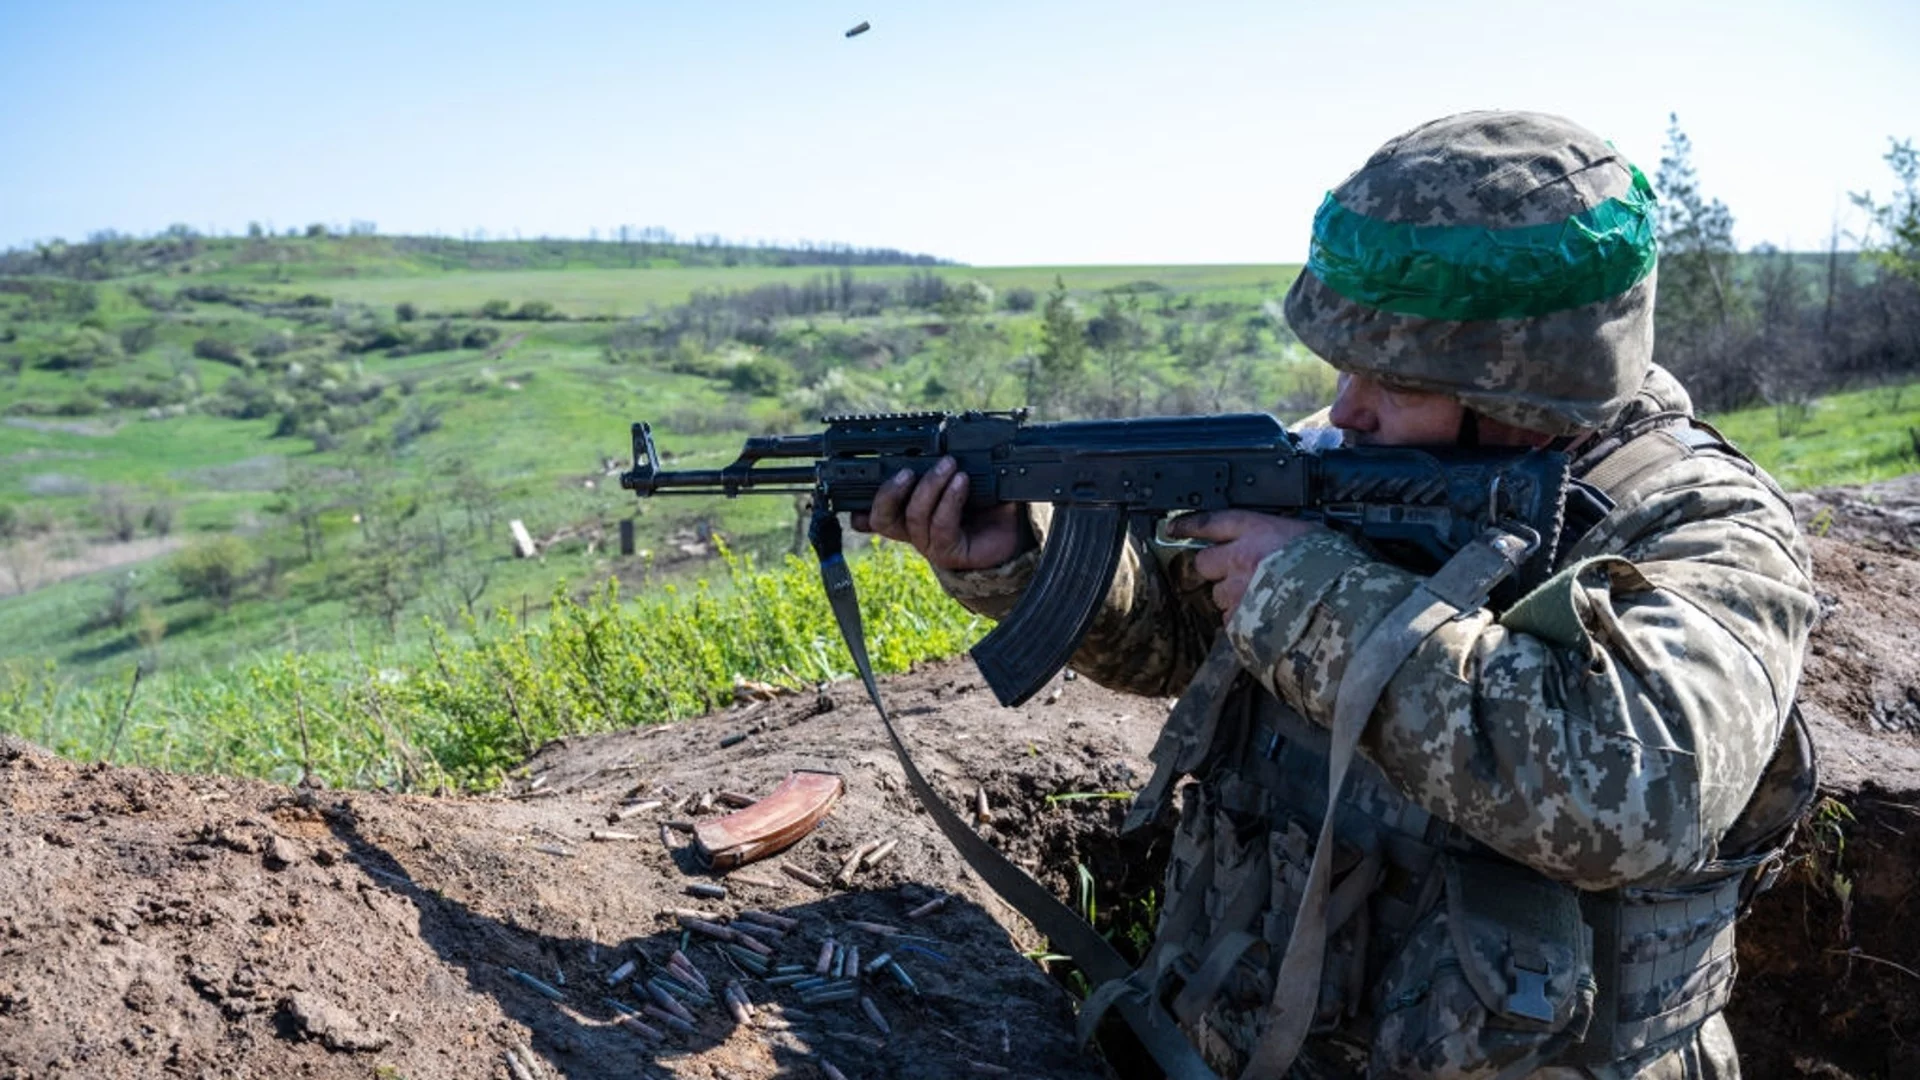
(770, 825)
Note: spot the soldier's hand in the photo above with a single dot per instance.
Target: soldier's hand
(930, 512)
(1241, 540)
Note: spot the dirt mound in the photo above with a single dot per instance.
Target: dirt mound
(165, 925)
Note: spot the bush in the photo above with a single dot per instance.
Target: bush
(763, 375)
(139, 338)
(149, 393)
(214, 569)
(209, 294)
(219, 351)
(536, 311)
(480, 337)
(414, 422)
(496, 309)
(381, 337)
(275, 343)
(9, 521)
(405, 311)
(83, 350)
(83, 403)
(1020, 299)
(158, 519)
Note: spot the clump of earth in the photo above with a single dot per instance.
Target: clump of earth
(164, 925)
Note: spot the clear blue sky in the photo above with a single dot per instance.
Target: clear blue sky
(994, 133)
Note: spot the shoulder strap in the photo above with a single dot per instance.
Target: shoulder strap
(1063, 928)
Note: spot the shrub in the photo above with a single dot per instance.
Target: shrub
(381, 337)
(763, 375)
(219, 351)
(83, 403)
(209, 294)
(158, 519)
(414, 422)
(214, 569)
(496, 309)
(480, 337)
(139, 338)
(149, 393)
(275, 343)
(149, 627)
(405, 311)
(537, 311)
(83, 350)
(1020, 299)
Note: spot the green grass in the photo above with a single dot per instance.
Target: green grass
(466, 704)
(632, 292)
(1855, 437)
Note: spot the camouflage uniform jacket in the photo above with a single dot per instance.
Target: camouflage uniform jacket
(1607, 730)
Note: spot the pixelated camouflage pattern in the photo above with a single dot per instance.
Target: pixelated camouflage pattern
(1621, 756)
(1558, 373)
(1619, 759)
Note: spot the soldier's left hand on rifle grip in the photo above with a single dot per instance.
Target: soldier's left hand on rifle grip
(929, 512)
(1241, 540)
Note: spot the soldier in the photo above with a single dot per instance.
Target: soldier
(1559, 805)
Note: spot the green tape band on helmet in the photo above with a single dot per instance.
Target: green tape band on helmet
(1469, 272)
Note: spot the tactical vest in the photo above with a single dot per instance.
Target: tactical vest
(1442, 958)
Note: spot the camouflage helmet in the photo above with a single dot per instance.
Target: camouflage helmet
(1505, 259)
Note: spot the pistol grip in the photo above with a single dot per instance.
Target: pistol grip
(1040, 634)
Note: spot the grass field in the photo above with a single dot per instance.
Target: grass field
(1855, 437)
(632, 292)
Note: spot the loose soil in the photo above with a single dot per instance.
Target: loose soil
(163, 925)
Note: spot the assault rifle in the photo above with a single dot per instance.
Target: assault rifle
(1416, 506)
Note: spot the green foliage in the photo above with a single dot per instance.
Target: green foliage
(496, 309)
(1695, 297)
(477, 698)
(1855, 437)
(224, 352)
(214, 569)
(1893, 239)
(1063, 340)
(763, 375)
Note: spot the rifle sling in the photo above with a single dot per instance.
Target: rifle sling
(1063, 928)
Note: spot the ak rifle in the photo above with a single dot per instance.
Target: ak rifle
(1107, 478)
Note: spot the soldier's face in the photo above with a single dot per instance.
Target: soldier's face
(1372, 413)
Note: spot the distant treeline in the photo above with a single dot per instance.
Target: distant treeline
(1773, 327)
(181, 249)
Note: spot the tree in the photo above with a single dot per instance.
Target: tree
(1695, 303)
(970, 340)
(1117, 334)
(1063, 344)
(1893, 232)
(214, 569)
(301, 500)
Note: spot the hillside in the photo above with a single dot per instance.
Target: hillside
(331, 434)
(154, 923)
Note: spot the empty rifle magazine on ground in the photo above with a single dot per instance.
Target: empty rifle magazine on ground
(771, 824)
